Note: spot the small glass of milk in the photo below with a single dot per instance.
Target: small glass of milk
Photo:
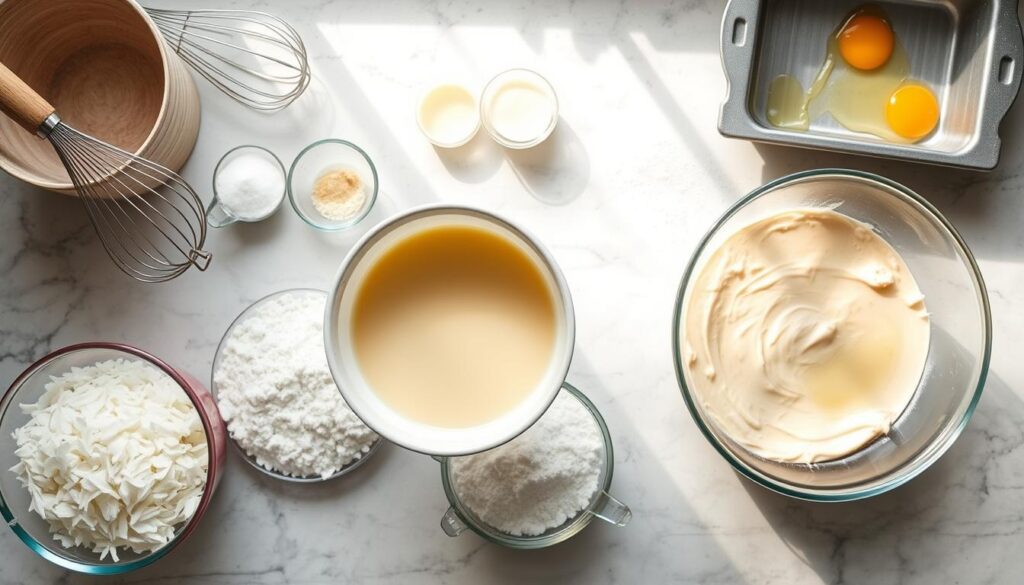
(519, 108)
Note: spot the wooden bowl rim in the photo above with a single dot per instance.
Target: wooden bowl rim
(34, 179)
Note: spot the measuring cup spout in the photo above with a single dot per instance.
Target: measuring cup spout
(217, 216)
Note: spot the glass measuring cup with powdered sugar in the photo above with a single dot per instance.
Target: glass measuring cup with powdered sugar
(460, 514)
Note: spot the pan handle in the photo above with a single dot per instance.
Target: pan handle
(737, 42)
(1007, 66)
(1007, 53)
(21, 102)
(738, 26)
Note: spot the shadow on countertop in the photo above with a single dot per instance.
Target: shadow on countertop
(971, 492)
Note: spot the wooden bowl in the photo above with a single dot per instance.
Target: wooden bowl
(107, 70)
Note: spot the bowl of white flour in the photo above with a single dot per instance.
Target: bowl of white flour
(542, 487)
(283, 410)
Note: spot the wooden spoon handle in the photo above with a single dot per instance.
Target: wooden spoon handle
(21, 102)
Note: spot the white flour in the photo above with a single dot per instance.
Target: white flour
(541, 478)
(276, 393)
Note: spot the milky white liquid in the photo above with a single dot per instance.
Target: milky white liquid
(448, 115)
(521, 108)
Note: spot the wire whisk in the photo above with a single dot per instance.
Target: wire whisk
(151, 223)
(255, 58)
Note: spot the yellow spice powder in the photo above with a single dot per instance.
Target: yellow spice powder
(339, 195)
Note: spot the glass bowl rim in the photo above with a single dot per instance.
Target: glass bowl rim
(905, 476)
(42, 549)
(371, 200)
(274, 157)
(345, 469)
(572, 527)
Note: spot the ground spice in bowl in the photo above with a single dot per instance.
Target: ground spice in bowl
(339, 194)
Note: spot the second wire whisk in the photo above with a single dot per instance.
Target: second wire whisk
(150, 221)
(255, 58)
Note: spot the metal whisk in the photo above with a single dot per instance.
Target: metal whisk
(150, 221)
(255, 58)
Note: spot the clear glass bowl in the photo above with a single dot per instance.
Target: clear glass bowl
(958, 355)
(434, 98)
(350, 467)
(491, 91)
(14, 499)
(602, 505)
(321, 157)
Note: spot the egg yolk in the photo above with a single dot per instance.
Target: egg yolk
(912, 111)
(866, 41)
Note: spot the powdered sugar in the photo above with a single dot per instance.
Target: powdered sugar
(540, 479)
(276, 393)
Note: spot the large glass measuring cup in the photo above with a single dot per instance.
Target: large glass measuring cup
(459, 517)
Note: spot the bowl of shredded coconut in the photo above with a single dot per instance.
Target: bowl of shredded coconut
(109, 457)
(283, 410)
(542, 487)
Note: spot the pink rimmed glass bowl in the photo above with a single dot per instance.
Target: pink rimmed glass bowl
(14, 499)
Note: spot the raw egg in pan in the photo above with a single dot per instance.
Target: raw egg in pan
(863, 84)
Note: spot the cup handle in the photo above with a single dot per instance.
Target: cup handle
(611, 510)
(217, 216)
(451, 524)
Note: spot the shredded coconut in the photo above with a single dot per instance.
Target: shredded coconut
(113, 455)
(276, 393)
(541, 478)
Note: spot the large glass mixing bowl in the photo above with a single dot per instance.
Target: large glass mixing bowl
(958, 354)
(14, 499)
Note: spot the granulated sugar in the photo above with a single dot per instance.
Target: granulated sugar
(250, 186)
(276, 393)
(540, 479)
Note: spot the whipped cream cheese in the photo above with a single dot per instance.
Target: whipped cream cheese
(805, 336)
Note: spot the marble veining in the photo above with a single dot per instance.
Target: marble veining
(633, 176)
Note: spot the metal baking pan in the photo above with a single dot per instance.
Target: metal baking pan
(968, 51)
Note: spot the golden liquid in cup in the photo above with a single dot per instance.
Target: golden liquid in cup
(454, 326)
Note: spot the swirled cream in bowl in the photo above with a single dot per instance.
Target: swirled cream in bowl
(805, 336)
(831, 335)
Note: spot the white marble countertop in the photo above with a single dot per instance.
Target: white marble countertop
(634, 175)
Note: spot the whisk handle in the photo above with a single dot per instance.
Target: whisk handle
(21, 103)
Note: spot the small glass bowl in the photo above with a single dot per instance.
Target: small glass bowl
(350, 467)
(602, 505)
(432, 94)
(321, 157)
(217, 215)
(14, 499)
(489, 93)
(958, 353)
